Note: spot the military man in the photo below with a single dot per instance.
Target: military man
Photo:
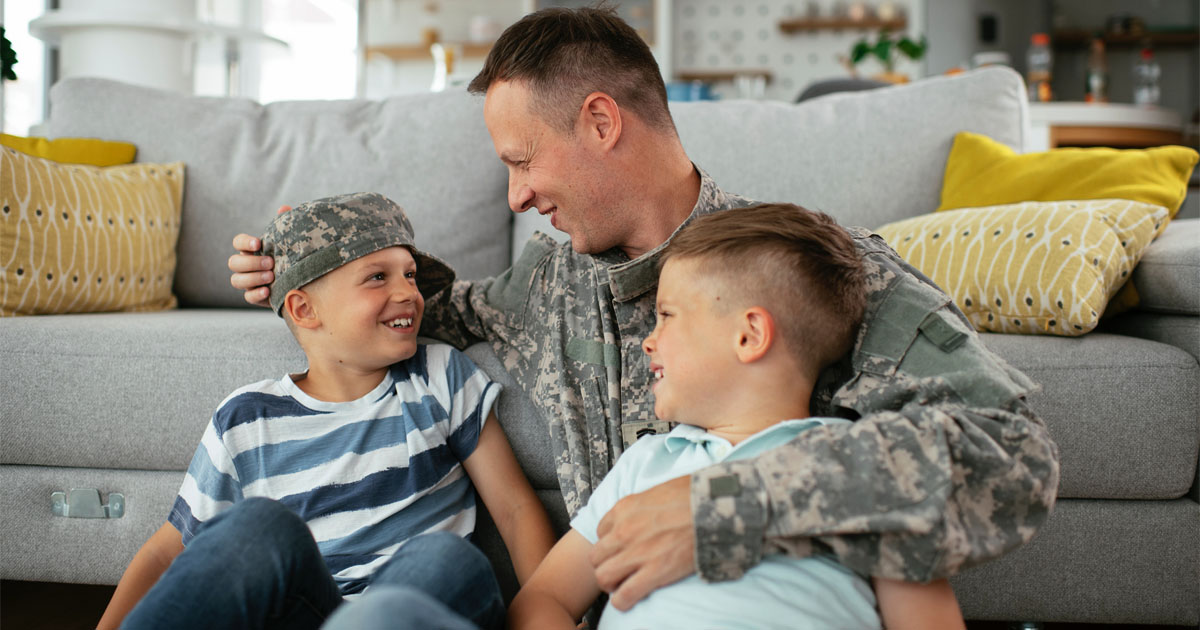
(945, 465)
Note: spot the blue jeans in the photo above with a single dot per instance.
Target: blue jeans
(256, 565)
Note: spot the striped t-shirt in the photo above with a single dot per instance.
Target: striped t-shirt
(366, 475)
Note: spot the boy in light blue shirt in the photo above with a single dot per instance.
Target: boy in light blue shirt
(752, 306)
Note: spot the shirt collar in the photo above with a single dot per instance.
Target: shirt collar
(685, 435)
(628, 279)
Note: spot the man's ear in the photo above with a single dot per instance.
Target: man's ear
(299, 306)
(600, 119)
(755, 334)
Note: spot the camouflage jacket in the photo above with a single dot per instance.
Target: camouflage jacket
(945, 465)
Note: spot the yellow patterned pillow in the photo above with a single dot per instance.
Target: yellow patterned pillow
(1032, 267)
(80, 239)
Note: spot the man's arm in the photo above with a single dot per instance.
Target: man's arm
(560, 591)
(509, 498)
(150, 562)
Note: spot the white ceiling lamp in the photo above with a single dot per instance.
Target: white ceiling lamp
(135, 41)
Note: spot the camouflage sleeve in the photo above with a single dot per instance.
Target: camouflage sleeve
(916, 494)
(451, 316)
(476, 310)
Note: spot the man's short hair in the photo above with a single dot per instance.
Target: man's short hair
(563, 55)
(799, 264)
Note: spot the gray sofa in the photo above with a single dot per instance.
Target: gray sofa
(117, 402)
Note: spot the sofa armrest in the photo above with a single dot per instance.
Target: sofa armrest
(1168, 277)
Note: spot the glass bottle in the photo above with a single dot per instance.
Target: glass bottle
(1096, 86)
(1146, 73)
(1037, 75)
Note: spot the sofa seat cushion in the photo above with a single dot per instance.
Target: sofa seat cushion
(1122, 410)
(131, 390)
(137, 390)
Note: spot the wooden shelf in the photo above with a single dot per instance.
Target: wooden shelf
(1080, 38)
(821, 24)
(420, 52)
(712, 76)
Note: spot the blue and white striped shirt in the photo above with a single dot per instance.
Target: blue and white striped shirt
(365, 475)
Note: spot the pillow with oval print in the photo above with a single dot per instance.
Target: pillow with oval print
(1032, 267)
(83, 239)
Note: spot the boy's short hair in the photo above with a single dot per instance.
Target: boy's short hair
(799, 264)
(565, 54)
(319, 236)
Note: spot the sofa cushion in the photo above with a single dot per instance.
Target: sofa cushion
(57, 375)
(866, 158)
(1168, 278)
(1122, 410)
(129, 390)
(1034, 267)
(1181, 331)
(1115, 564)
(73, 150)
(430, 153)
(81, 239)
(983, 172)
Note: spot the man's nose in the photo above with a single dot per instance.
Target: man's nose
(520, 196)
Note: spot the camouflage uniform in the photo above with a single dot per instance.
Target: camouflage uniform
(944, 467)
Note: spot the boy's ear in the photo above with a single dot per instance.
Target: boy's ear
(299, 307)
(600, 119)
(755, 335)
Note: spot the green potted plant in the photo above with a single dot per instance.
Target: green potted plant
(8, 58)
(888, 47)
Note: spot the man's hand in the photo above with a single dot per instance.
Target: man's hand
(646, 541)
(252, 272)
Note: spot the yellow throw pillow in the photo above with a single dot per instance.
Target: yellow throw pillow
(81, 239)
(1033, 267)
(73, 150)
(983, 172)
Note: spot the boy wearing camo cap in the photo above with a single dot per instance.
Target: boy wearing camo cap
(312, 488)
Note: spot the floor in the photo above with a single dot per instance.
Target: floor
(48, 606)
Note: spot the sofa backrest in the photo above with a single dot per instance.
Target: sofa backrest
(430, 153)
(867, 158)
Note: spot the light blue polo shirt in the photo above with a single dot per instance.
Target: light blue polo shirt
(780, 592)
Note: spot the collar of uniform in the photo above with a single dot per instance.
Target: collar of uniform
(632, 278)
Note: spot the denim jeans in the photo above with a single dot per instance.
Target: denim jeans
(256, 565)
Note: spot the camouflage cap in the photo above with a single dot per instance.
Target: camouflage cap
(319, 236)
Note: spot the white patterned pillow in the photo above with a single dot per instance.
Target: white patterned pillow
(1033, 267)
